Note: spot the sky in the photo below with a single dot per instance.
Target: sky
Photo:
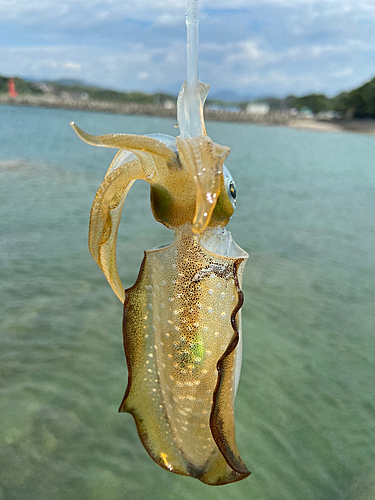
(248, 48)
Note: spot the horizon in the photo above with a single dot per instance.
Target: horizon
(251, 49)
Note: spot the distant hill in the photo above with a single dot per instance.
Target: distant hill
(70, 82)
(358, 103)
(78, 90)
(230, 96)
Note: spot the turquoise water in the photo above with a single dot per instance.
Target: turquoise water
(305, 408)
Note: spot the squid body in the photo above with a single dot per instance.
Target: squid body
(182, 324)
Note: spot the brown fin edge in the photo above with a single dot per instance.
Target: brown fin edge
(216, 424)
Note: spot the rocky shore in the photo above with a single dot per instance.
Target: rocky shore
(272, 118)
(139, 109)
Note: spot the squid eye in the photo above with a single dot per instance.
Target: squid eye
(232, 190)
(230, 186)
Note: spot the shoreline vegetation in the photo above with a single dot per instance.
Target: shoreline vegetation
(353, 111)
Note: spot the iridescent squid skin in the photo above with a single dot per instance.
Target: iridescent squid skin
(182, 324)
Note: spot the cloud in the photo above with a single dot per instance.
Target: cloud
(138, 68)
(343, 73)
(168, 20)
(161, 11)
(144, 75)
(72, 66)
(250, 46)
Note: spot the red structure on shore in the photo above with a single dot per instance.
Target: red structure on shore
(11, 88)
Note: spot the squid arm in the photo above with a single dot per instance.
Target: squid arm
(182, 318)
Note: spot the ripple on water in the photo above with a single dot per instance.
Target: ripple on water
(305, 405)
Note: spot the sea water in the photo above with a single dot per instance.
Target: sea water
(305, 407)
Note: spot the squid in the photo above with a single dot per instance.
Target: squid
(182, 317)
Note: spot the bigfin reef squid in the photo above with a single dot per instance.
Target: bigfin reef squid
(182, 318)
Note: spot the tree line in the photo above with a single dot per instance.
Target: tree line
(358, 103)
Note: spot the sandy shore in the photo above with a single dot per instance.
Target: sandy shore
(312, 124)
(274, 118)
(366, 126)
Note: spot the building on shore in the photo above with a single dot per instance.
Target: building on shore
(306, 113)
(258, 108)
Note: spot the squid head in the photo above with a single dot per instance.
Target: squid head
(182, 325)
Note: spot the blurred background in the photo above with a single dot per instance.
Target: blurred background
(305, 407)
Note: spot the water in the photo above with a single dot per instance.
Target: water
(305, 408)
